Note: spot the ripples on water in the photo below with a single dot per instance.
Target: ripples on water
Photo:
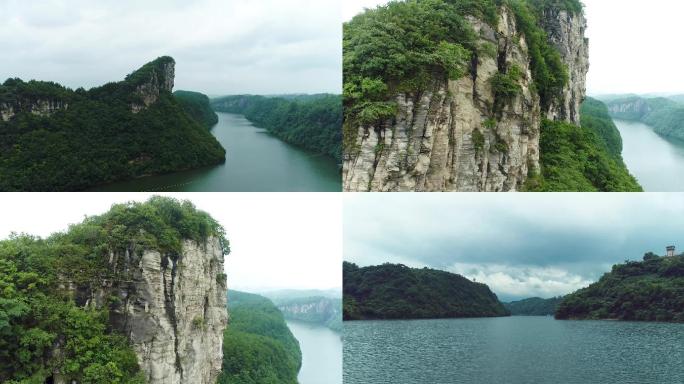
(512, 350)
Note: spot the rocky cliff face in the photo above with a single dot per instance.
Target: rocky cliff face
(446, 139)
(634, 107)
(171, 306)
(157, 79)
(39, 107)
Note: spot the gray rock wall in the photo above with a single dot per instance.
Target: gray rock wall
(448, 138)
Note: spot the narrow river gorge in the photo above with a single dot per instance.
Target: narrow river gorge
(256, 161)
(657, 162)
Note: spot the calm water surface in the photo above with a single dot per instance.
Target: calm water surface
(321, 353)
(657, 163)
(512, 350)
(255, 161)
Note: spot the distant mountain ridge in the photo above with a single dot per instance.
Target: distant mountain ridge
(395, 291)
(56, 139)
(664, 114)
(322, 307)
(312, 122)
(533, 306)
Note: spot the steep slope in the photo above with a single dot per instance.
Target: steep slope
(533, 306)
(583, 158)
(258, 346)
(394, 291)
(651, 290)
(664, 115)
(309, 121)
(451, 95)
(53, 138)
(313, 309)
(197, 106)
(139, 288)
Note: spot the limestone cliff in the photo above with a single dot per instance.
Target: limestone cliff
(449, 137)
(151, 80)
(172, 307)
(37, 106)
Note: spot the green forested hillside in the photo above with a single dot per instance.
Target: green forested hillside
(534, 306)
(38, 315)
(586, 158)
(394, 291)
(320, 310)
(665, 115)
(197, 106)
(94, 137)
(258, 347)
(648, 290)
(312, 122)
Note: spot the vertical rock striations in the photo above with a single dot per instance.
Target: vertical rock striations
(451, 137)
(172, 307)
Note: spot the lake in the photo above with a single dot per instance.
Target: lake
(512, 350)
(657, 163)
(256, 161)
(321, 353)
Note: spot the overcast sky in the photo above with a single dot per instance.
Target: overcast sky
(521, 245)
(278, 240)
(634, 44)
(220, 46)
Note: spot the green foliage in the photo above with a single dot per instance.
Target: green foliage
(197, 106)
(409, 45)
(478, 140)
(506, 86)
(578, 159)
(534, 306)
(97, 139)
(650, 290)
(664, 115)
(312, 122)
(595, 116)
(548, 71)
(258, 347)
(320, 310)
(43, 330)
(394, 291)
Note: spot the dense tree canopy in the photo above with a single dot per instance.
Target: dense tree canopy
(312, 122)
(197, 106)
(534, 306)
(648, 290)
(394, 291)
(42, 329)
(258, 347)
(93, 137)
(404, 46)
(586, 158)
(664, 115)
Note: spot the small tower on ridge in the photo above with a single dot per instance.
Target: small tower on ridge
(670, 250)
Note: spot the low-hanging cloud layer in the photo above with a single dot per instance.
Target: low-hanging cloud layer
(220, 46)
(521, 245)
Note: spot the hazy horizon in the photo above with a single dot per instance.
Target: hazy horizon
(521, 245)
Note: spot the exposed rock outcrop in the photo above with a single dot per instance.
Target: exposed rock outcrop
(566, 32)
(157, 78)
(633, 107)
(448, 139)
(171, 306)
(39, 107)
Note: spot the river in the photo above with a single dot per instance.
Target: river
(657, 163)
(321, 353)
(512, 350)
(256, 161)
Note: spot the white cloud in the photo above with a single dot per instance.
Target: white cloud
(221, 46)
(278, 240)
